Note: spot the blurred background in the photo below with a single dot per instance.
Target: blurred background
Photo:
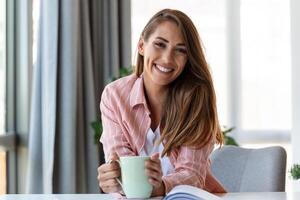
(57, 55)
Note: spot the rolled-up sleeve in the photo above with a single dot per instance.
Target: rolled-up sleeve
(113, 137)
(191, 166)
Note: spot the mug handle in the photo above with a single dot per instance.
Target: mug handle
(117, 179)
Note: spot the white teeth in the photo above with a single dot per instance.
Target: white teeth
(163, 69)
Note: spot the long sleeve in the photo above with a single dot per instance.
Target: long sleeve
(113, 137)
(191, 166)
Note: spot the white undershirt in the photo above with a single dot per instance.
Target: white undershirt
(150, 148)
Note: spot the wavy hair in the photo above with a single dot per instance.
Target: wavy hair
(189, 115)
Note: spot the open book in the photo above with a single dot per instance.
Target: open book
(189, 193)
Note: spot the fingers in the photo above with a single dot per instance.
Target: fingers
(153, 170)
(108, 171)
(109, 183)
(155, 156)
(155, 183)
(111, 189)
(110, 175)
(155, 178)
(155, 166)
(107, 167)
(153, 173)
(114, 156)
(107, 175)
(153, 163)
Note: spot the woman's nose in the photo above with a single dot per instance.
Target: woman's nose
(167, 56)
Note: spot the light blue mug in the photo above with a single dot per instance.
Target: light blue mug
(134, 180)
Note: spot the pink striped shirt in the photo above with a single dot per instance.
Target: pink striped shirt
(126, 120)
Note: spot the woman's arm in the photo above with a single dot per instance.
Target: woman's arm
(192, 168)
(114, 143)
(113, 138)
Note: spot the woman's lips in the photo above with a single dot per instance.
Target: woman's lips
(163, 69)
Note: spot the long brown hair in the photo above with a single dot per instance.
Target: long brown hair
(189, 116)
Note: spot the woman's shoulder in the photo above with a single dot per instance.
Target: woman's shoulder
(120, 87)
(123, 83)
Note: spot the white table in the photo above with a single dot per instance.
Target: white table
(262, 196)
(228, 196)
(56, 197)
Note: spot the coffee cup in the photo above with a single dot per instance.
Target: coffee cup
(134, 180)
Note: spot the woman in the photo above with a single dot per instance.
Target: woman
(167, 108)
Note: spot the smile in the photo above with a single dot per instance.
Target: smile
(163, 69)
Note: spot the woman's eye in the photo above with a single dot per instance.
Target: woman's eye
(160, 44)
(180, 50)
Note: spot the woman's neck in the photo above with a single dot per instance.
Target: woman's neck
(155, 96)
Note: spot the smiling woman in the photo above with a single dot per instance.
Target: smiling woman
(165, 110)
(210, 19)
(165, 43)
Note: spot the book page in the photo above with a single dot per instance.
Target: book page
(187, 189)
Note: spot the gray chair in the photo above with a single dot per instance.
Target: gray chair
(250, 170)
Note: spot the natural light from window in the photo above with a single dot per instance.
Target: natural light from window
(266, 65)
(35, 20)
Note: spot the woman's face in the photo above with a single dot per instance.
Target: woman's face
(164, 53)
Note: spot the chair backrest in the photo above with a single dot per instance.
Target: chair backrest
(250, 170)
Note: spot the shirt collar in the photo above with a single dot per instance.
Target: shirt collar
(137, 94)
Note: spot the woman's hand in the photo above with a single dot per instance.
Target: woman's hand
(107, 174)
(153, 170)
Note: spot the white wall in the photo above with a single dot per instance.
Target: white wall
(295, 45)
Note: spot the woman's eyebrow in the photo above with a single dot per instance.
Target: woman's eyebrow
(161, 38)
(165, 40)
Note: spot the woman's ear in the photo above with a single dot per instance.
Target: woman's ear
(141, 46)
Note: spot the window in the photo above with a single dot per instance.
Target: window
(15, 65)
(266, 66)
(35, 19)
(2, 95)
